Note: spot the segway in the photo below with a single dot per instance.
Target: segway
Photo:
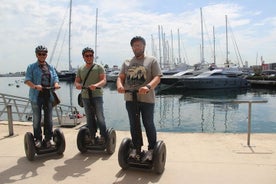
(31, 150)
(86, 141)
(157, 164)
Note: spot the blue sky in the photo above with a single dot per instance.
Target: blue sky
(25, 24)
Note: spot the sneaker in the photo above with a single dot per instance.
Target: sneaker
(148, 155)
(38, 143)
(50, 143)
(133, 153)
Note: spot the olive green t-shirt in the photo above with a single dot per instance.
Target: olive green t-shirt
(93, 78)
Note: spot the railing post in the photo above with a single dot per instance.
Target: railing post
(10, 120)
(249, 123)
(249, 115)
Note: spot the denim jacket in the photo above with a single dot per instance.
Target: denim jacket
(34, 74)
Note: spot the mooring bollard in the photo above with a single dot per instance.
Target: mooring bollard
(10, 121)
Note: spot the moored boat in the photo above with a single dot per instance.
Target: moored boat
(66, 75)
(112, 76)
(215, 79)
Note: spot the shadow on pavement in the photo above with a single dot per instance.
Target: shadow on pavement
(133, 175)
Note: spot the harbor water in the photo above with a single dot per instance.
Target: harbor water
(209, 111)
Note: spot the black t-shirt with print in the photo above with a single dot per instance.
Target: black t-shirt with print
(45, 81)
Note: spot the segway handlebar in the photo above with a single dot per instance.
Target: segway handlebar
(131, 91)
(134, 91)
(50, 87)
(83, 87)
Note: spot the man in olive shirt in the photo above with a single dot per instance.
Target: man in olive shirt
(92, 96)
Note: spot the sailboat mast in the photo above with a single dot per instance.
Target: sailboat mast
(70, 22)
(96, 35)
(172, 56)
(153, 50)
(202, 37)
(179, 56)
(160, 51)
(70, 66)
(214, 45)
(226, 31)
(164, 48)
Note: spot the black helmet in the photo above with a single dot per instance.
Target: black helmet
(137, 38)
(41, 48)
(87, 49)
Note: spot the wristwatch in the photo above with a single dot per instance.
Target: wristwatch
(148, 86)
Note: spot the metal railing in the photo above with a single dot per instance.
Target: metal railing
(21, 107)
(249, 102)
(64, 115)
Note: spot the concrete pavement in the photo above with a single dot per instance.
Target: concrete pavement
(191, 158)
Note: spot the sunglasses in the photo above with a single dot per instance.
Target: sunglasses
(41, 54)
(88, 55)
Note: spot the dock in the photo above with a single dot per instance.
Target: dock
(262, 83)
(191, 158)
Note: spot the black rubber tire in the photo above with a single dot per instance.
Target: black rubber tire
(59, 139)
(111, 141)
(81, 139)
(159, 157)
(124, 152)
(29, 146)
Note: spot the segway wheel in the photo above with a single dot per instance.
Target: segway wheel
(111, 141)
(59, 139)
(123, 153)
(83, 132)
(159, 157)
(29, 146)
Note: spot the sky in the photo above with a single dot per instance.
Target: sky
(251, 28)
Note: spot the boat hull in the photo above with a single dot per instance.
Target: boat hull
(213, 83)
(67, 76)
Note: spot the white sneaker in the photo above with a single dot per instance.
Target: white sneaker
(148, 155)
(50, 143)
(38, 143)
(133, 153)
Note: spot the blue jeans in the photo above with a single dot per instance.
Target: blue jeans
(94, 115)
(147, 112)
(46, 106)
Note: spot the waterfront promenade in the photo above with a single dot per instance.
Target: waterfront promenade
(192, 158)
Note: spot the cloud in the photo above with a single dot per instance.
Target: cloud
(26, 24)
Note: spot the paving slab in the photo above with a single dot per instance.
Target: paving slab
(191, 158)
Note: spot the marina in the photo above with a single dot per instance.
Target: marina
(214, 108)
(175, 109)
